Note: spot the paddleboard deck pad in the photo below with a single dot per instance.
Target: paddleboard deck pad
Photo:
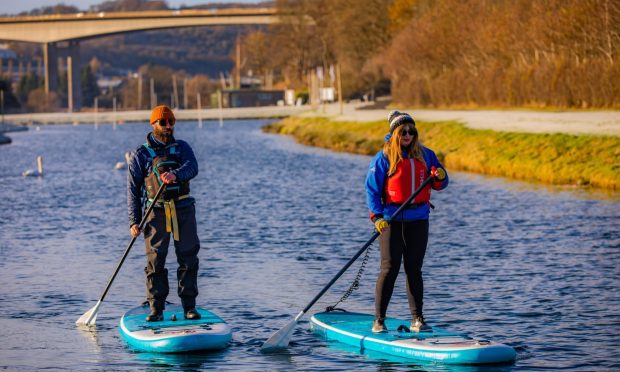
(174, 336)
(437, 345)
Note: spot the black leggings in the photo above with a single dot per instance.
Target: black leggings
(408, 240)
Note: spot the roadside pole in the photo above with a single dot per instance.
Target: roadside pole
(96, 113)
(175, 92)
(114, 112)
(2, 104)
(199, 110)
(153, 98)
(339, 87)
(219, 104)
(185, 93)
(139, 103)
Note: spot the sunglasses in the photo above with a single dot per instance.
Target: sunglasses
(411, 132)
(165, 122)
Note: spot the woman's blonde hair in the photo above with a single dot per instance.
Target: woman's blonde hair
(394, 151)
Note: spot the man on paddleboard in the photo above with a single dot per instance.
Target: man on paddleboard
(164, 160)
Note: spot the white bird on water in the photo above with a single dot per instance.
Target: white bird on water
(121, 165)
(35, 173)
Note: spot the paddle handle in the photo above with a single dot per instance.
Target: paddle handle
(133, 240)
(364, 247)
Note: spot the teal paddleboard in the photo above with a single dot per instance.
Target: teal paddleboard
(436, 345)
(174, 336)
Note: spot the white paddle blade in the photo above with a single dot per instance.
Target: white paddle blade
(280, 339)
(89, 317)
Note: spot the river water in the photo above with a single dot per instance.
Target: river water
(535, 267)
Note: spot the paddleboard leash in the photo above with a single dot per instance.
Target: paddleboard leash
(356, 282)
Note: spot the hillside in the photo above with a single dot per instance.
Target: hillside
(196, 50)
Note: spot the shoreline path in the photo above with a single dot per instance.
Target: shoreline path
(570, 122)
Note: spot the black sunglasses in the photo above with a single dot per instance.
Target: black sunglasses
(164, 122)
(411, 132)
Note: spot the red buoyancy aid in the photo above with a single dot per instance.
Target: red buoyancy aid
(409, 175)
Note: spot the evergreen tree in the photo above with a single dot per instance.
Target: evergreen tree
(27, 84)
(10, 101)
(63, 88)
(89, 86)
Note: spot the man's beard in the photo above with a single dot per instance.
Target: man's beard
(164, 135)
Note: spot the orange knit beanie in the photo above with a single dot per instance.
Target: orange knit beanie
(162, 112)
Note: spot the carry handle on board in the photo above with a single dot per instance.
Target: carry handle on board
(281, 338)
(89, 317)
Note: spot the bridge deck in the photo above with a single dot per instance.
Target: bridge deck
(63, 27)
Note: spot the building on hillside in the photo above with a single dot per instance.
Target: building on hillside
(6, 53)
(107, 84)
(13, 67)
(251, 98)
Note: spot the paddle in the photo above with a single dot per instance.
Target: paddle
(89, 317)
(281, 338)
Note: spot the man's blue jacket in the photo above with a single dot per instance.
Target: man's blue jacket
(140, 166)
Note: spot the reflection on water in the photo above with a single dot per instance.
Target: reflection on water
(186, 362)
(532, 266)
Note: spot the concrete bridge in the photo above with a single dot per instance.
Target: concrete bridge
(61, 34)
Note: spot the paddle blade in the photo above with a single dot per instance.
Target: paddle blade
(89, 317)
(280, 339)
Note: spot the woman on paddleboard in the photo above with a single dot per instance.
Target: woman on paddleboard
(393, 175)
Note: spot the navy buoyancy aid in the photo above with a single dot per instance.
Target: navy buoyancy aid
(408, 176)
(165, 162)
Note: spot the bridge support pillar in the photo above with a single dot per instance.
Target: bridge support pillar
(73, 74)
(51, 52)
(50, 60)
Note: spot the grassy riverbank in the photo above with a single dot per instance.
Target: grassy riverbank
(549, 158)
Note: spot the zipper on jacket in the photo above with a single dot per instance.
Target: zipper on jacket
(413, 177)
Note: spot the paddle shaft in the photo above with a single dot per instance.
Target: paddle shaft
(133, 240)
(359, 253)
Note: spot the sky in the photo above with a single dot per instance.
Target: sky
(17, 6)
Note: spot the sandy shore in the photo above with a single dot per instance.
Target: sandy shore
(577, 122)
